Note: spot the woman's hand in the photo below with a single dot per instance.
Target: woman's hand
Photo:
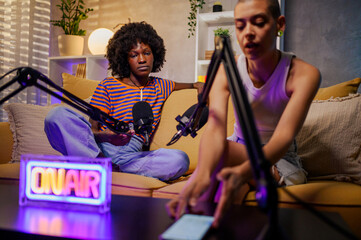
(114, 138)
(199, 86)
(232, 185)
(188, 197)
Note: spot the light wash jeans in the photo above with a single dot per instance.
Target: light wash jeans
(70, 133)
(289, 166)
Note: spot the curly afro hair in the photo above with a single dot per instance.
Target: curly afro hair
(126, 38)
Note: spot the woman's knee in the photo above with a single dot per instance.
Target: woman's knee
(54, 115)
(52, 119)
(60, 118)
(181, 160)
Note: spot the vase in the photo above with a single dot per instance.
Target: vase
(70, 45)
(216, 39)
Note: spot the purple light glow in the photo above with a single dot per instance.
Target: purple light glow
(73, 224)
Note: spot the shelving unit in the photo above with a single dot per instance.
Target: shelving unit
(96, 67)
(206, 24)
(209, 21)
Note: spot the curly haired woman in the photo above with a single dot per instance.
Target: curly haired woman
(133, 53)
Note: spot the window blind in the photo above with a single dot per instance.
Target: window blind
(24, 41)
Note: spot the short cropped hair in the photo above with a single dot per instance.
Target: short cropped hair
(126, 38)
(273, 7)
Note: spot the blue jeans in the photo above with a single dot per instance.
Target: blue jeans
(70, 133)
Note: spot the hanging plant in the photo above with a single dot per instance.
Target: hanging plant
(192, 18)
(73, 12)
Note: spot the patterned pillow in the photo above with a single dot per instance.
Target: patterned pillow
(329, 142)
(27, 125)
(27, 120)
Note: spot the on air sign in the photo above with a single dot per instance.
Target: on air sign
(65, 182)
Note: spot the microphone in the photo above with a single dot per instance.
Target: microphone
(143, 119)
(184, 127)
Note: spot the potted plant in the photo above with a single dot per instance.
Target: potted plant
(217, 34)
(220, 32)
(73, 11)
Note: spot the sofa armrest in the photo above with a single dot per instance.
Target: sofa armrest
(6, 140)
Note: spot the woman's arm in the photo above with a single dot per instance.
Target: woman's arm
(211, 148)
(197, 85)
(302, 86)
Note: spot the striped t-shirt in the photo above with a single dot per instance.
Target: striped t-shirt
(117, 99)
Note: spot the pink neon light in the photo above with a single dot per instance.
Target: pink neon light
(81, 183)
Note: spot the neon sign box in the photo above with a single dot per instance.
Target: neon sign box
(65, 182)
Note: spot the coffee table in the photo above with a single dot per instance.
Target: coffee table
(145, 218)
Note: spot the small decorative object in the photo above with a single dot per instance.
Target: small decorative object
(217, 7)
(202, 79)
(192, 18)
(73, 12)
(98, 40)
(208, 54)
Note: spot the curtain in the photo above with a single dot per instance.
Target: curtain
(24, 41)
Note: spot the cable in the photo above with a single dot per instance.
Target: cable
(320, 215)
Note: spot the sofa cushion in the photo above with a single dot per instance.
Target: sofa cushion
(134, 185)
(10, 171)
(339, 90)
(325, 193)
(6, 140)
(177, 103)
(81, 87)
(329, 141)
(27, 126)
(170, 191)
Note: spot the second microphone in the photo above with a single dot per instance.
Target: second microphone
(143, 119)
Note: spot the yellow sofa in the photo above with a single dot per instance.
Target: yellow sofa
(329, 144)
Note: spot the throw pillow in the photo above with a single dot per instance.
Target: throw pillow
(329, 142)
(80, 87)
(27, 125)
(339, 90)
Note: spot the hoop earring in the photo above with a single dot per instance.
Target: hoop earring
(280, 33)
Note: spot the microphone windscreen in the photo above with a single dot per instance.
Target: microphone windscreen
(188, 113)
(142, 111)
(203, 118)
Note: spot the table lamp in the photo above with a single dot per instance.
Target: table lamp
(98, 40)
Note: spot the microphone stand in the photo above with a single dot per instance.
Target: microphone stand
(266, 192)
(27, 77)
(191, 125)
